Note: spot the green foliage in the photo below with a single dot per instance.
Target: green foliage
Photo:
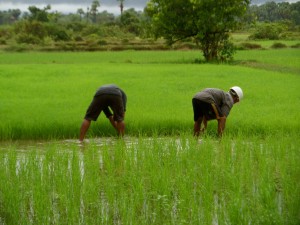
(6, 32)
(28, 39)
(227, 51)
(276, 12)
(278, 45)
(247, 45)
(30, 32)
(207, 21)
(56, 32)
(10, 16)
(296, 45)
(94, 9)
(130, 21)
(269, 31)
(37, 14)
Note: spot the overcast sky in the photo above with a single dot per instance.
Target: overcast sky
(67, 6)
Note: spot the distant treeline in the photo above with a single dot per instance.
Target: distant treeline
(268, 12)
(275, 12)
(92, 27)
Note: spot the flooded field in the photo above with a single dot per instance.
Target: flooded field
(143, 180)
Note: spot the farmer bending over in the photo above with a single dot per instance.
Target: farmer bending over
(213, 103)
(107, 96)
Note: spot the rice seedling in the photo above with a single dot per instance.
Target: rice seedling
(158, 173)
(171, 180)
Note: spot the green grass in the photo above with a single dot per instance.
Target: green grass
(239, 38)
(157, 174)
(45, 100)
(280, 60)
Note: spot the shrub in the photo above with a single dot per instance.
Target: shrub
(18, 48)
(28, 39)
(227, 51)
(278, 45)
(92, 39)
(5, 32)
(31, 28)
(2, 41)
(57, 32)
(102, 42)
(61, 35)
(269, 31)
(247, 45)
(78, 38)
(296, 45)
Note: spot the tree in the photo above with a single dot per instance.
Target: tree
(94, 10)
(37, 14)
(275, 12)
(295, 12)
(130, 21)
(207, 21)
(80, 12)
(121, 5)
(10, 16)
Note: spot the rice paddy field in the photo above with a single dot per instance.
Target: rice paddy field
(158, 173)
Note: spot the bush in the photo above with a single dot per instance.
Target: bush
(278, 45)
(2, 41)
(268, 31)
(57, 33)
(247, 45)
(5, 32)
(78, 38)
(102, 42)
(227, 51)
(17, 48)
(296, 45)
(28, 39)
(31, 28)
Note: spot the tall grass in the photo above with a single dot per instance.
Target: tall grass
(176, 180)
(158, 173)
(41, 99)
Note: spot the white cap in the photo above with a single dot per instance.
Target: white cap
(237, 90)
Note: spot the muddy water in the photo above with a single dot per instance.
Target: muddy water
(68, 144)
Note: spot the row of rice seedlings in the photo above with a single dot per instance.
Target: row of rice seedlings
(173, 180)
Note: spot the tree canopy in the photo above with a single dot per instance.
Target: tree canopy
(207, 21)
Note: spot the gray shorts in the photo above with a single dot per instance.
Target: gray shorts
(105, 103)
(204, 109)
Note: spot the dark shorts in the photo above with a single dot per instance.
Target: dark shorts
(103, 103)
(203, 109)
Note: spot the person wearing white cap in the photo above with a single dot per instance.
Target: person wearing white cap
(213, 103)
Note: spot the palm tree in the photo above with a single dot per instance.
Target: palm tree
(121, 5)
(80, 12)
(94, 9)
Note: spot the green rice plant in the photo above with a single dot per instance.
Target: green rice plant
(158, 173)
(170, 180)
(44, 101)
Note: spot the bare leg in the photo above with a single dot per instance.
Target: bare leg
(197, 126)
(121, 128)
(221, 125)
(84, 127)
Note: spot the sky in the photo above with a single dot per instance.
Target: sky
(71, 6)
